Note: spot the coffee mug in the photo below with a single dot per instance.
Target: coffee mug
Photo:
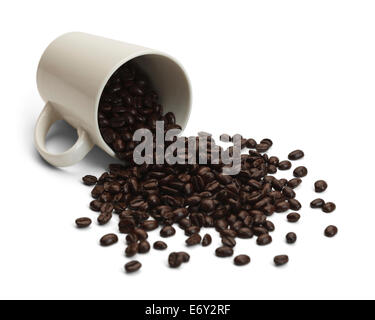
(71, 76)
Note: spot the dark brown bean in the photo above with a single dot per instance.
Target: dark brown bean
(83, 222)
(175, 260)
(300, 172)
(264, 239)
(160, 245)
(224, 251)
(108, 240)
(104, 218)
(144, 246)
(328, 207)
(296, 155)
(206, 240)
(317, 203)
(228, 241)
(281, 260)
(320, 186)
(131, 249)
(294, 204)
(89, 180)
(241, 260)
(193, 239)
(285, 165)
(330, 231)
(294, 183)
(167, 231)
(291, 237)
(293, 217)
(133, 266)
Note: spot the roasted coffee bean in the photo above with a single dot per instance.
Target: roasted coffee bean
(132, 249)
(224, 251)
(251, 144)
(106, 208)
(95, 205)
(300, 172)
(83, 222)
(241, 260)
(282, 206)
(150, 225)
(104, 218)
(291, 237)
(294, 183)
(330, 231)
(317, 203)
(274, 161)
(269, 226)
(245, 233)
(89, 180)
(131, 238)
(264, 239)
(259, 231)
(144, 246)
(262, 147)
(228, 241)
(133, 266)
(175, 260)
(293, 217)
(108, 240)
(140, 233)
(328, 207)
(267, 141)
(185, 256)
(228, 233)
(126, 225)
(294, 204)
(296, 155)
(285, 165)
(193, 239)
(97, 191)
(288, 192)
(281, 260)
(167, 231)
(320, 186)
(160, 245)
(192, 230)
(206, 240)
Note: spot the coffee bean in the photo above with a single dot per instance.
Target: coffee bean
(95, 205)
(193, 239)
(89, 180)
(282, 206)
(294, 204)
(191, 230)
(320, 186)
(269, 226)
(160, 245)
(245, 233)
(104, 218)
(300, 172)
(175, 260)
(291, 237)
(184, 256)
(228, 241)
(241, 260)
(224, 251)
(288, 192)
(293, 217)
(267, 141)
(144, 246)
(285, 165)
(106, 208)
(97, 191)
(264, 239)
(330, 231)
(133, 266)
(294, 183)
(296, 155)
(132, 249)
(140, 233)
(328, 207)
(262, 147)
(167, 231)
(150, 225)
(317, 203)
(251, 144)
(274, 161)
(206, 240)
(108, 240)
(83, 222)
(281, 260)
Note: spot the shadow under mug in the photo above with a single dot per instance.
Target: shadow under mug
(72, 74)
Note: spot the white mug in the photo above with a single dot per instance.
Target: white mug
(71, 76)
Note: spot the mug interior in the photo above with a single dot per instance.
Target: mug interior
(168, 80)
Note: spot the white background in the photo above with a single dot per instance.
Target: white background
(299, 72)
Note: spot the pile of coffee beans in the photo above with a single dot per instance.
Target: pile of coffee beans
(192, 197)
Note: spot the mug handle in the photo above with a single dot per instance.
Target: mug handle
(69, 157)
